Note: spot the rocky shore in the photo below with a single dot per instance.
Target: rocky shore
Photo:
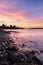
(10, 54)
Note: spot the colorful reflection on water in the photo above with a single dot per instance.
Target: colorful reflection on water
(31, 38)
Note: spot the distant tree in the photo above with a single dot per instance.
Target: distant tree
(11, 26)
(14, 27)
(3, 26)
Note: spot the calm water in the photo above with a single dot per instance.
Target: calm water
(31, 38)
(28, 40)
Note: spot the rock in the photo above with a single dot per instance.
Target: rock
(29, 55)
(41, 51)
(16, 57)
(32, 42)
(23, 45)
(20, 57)
(6, 48)
(37, 60)
(15, 49)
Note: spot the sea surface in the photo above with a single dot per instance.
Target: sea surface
(28, 39)
(32, 38)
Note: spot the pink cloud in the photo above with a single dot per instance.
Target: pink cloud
(18, 14)
(40, 21)
(4, 6)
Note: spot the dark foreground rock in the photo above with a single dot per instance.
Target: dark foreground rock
(24, 58)
(6, 47)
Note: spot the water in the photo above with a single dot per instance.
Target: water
(29, 39)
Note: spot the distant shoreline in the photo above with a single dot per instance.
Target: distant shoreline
(21, 28)
(35, 28)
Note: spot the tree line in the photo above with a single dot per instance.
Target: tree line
(10, 27)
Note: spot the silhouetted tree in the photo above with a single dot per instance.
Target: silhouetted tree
(11, 26)
(3, 26)
(14, 27)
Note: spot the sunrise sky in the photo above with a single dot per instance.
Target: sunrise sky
(23, 13)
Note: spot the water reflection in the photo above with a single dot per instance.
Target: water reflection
(31, 38)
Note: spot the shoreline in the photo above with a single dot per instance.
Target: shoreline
(5, 44)
(10, 55)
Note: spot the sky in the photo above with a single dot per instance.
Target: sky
(22, 13)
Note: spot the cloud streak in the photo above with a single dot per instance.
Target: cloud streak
(24, 12)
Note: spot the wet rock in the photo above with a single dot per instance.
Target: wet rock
(12, 49)
(41, 51)
(29, 55)
(37, 60)
(20, 58)
(6, 47)
(16, 57)
(23, 45)
(32, 42)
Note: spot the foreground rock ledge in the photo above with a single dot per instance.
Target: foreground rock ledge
(6, 46)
